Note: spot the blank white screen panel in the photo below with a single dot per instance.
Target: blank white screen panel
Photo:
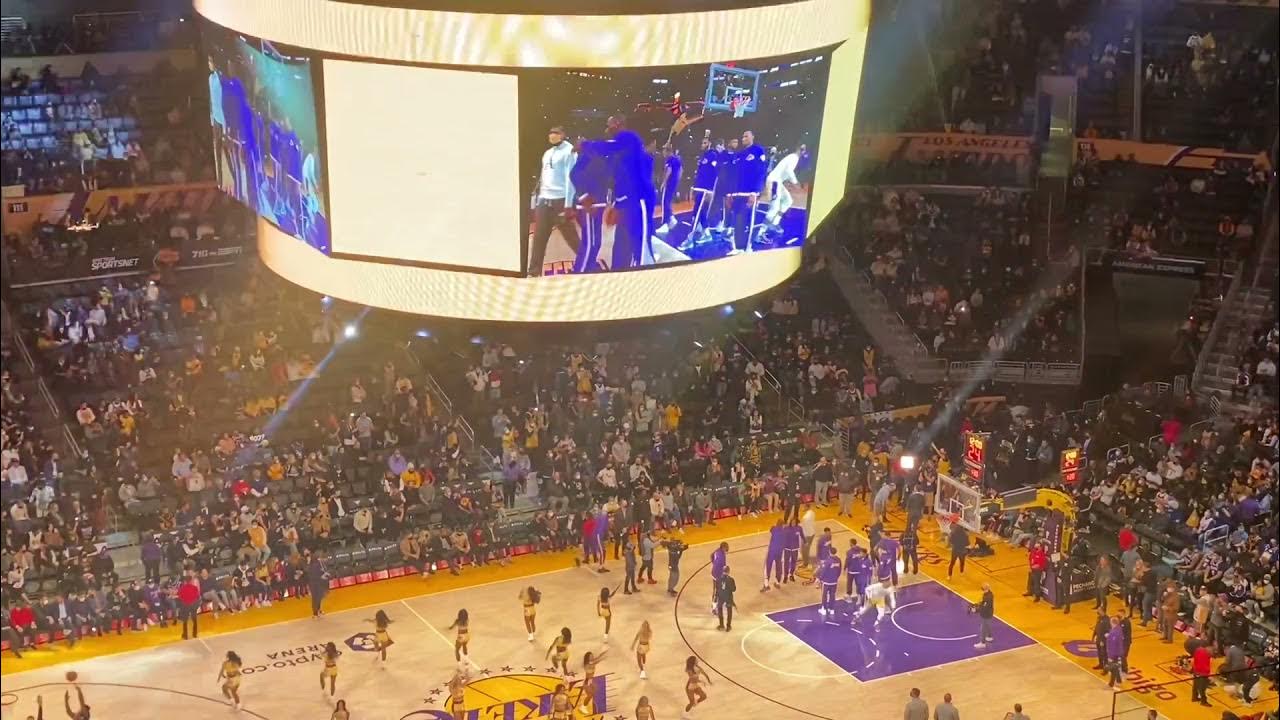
(422, 164)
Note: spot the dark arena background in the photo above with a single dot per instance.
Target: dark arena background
(487, 360)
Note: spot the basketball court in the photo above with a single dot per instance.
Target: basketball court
(781, 660)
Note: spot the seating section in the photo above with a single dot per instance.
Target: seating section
(95, 33)
(1210, 75)
(1147, 210)
(92, 131)
(961, 268)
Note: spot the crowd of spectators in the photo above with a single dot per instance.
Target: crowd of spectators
(95, 131)
(112, 32)
(1210, 76)
(1259, 352)
(1143, 210)
(1205, 492)
(961, 269)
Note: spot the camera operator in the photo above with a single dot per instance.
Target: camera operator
(675, 548)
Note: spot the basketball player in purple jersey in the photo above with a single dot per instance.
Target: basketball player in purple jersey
(773, 556)
(719, 559)
(857, 570)
(791, 551)
(887, 562)
(829, 577)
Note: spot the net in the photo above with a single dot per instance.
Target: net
(957, 499)
(945, 521)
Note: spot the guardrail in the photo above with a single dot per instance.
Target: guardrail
(1013, 371)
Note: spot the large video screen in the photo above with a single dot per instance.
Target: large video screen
(266, 142)
(640, 167)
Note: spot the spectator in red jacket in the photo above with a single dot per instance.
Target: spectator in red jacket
(1038, 558)
(1127, 538)
(22, 623)
(189, 605)
(1201, 667)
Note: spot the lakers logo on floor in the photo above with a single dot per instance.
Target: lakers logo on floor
(515, 697)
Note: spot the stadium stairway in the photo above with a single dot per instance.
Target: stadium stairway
(1243, 312)
(882, 322)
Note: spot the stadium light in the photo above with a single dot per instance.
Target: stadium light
(423, 333)
(727, 310)
(350, 331)
(907, 462)
(759, 314)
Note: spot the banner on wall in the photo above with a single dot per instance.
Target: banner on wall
(1157, 265)
(923, 147)
(973, 406)
(1181, 156)
(21, 213)
(215, 253)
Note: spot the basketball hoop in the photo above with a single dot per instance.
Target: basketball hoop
(946, 520)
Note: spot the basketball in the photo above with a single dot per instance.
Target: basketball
(72, 675)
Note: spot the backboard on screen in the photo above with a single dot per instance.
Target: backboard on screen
(954, 497)
(733, 89)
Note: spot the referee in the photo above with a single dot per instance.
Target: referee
(725, 588)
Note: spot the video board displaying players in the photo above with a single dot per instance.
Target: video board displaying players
(265, 138)
(639, 167)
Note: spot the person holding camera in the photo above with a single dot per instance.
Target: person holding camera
(985, 609)
(675, 548)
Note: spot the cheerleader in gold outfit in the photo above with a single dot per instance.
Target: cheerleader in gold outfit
(381, 638)
(694, 677)
(604, 611)
(587, 698)
(560, 705)
(529, 599)
(644, 711)
(330, 671)
(229, 675)
(462, 624)
(641, 645)
(560, 660)
(457, 704)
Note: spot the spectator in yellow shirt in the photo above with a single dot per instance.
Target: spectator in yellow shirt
(673, 413)
(258, 539)
(275, 471)
(411, 478)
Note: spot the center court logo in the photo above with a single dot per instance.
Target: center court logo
(513, 697)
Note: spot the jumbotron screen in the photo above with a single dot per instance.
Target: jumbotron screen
(537, 168)
(265, 140)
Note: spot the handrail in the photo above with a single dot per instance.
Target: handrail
(769, 377)
(433, 386)
(54, 408)
(1215, 330)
